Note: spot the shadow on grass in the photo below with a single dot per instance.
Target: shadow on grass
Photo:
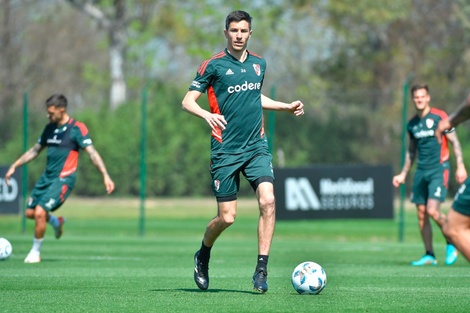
(208, 291)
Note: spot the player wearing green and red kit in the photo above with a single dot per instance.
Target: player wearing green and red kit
(234, 91)
(233, 79)
(63, 137)
(63, 143)
(432, 173)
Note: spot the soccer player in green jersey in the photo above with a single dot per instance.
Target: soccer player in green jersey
(432, 173)
(457, 224)
(63, 137)
(233, 79)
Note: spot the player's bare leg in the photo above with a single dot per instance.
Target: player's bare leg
(267, 217)
(434, 211)
(226, 213)
(426, 234)
(425, 227)
(40, 218)
(457, 229)
(266, 225)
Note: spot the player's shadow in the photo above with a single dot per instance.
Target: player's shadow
(207, 291)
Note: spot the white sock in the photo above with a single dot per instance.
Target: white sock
(54, 221)
(37, 245)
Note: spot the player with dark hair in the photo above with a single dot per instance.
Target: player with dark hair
(457, 224)
(63, 137)
(233, 79)
(432, 173)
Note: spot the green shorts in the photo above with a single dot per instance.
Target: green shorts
(430, 184)
(51, 194)
(225, 170)
(462, 199)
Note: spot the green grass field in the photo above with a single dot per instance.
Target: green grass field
(102, 264)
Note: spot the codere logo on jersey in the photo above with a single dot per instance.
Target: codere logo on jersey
(244, 87)
(424, 133)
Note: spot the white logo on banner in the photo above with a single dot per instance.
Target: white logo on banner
(300, 195)
(343, 194)
(8, 193)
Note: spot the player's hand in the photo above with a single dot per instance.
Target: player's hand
(398, 179)
(9, 173)
(109, 184)
(460, 174)
(215, 121)
(441, 127)
(297, 108)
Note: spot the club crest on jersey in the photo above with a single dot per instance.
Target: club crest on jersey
(429, 123)
(216, 184)
(257, 69)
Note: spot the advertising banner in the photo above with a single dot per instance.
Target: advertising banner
(334, 192)
(10, 196)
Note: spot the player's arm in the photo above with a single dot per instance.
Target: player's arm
(28, 156)
(98, 162)
(460, 172)
(409, 159)
(190, 105)
(460, 115)
(295, 107)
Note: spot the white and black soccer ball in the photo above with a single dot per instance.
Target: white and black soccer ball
(308, 278)
(5, 249)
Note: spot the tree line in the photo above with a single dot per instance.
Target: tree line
(347, 61)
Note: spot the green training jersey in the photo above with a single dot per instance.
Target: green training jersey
(63, 143)
(234, 91)
(430, 153)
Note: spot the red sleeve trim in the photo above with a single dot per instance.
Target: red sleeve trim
(439, 112)
(203, 66)
(82, 127)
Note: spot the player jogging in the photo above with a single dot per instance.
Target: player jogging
(63, 137)
(233, 79)
(432, 173)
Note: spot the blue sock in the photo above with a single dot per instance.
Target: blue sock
(54, 221)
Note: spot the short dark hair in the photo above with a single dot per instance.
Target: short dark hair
(419, 86)
(237, 16)
(57, 100)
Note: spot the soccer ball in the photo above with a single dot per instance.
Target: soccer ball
(308, 278)
(5, 249)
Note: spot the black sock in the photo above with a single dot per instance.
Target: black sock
(262, 262)
(204, 253)
(431, 253)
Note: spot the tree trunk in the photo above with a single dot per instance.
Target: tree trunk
(118, 85)
(117, 47)
(7, 77)
(116, 28)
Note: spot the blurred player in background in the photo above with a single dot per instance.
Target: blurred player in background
(63, 137)
(431, 177)
(233, 79)
(457, 225)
